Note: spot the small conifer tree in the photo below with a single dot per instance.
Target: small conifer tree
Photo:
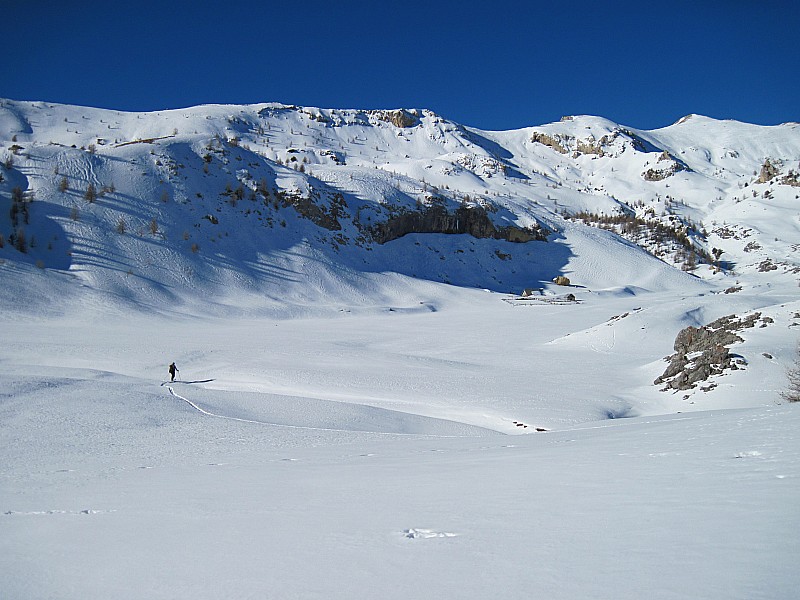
(792, 393)
(20, 241)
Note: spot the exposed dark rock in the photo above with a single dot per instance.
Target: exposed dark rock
(766, 266)
(792, 178)
(638, 143)
(701, 352)
(326, 217)
(472, 220)
(752, 247)
(673, 166)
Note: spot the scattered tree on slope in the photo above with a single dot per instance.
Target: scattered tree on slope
(792, 394)
(653, 235)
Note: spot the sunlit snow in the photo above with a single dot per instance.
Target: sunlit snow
(356, 420)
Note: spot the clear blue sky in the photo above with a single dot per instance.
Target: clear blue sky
(494, 65)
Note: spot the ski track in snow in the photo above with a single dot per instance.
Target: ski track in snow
(39, 513)
(305, 427)
(210, 414)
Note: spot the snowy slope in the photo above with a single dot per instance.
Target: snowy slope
(367, 405)
(166, 174)
(114, 487)
(287, 211)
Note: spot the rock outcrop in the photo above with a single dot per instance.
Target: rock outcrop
(317, 212)
(472, 220)
(658, 174)
(549, 141)
(771, 171)
(399, 118)
(768, 172)
(701, 352)
(792, 179)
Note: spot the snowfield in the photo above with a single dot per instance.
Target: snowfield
(354, 419)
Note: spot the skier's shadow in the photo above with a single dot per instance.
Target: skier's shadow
(197, 381)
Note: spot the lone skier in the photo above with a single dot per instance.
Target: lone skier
(172, 370)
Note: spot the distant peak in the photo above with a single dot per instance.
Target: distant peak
(683, 120)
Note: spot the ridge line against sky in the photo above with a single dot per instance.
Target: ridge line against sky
(491, 66)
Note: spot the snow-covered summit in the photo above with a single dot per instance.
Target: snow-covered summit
(181, 193)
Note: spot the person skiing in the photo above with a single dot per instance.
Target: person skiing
(172, 370)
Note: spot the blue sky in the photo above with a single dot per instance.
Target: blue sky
(486, 64)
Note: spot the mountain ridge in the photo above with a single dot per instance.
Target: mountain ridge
(212, 188)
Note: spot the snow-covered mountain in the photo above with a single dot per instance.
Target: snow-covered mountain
(365, 305)
(160, 206)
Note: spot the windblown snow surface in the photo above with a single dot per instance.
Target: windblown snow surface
(363, 420)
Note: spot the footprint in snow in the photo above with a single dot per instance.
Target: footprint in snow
(748, 454)
(416, 534)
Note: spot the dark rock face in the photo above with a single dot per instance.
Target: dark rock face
(792, 178)
(327, 211)
(701, 352)
(671, 167)
(321, 215)
(436, 219)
